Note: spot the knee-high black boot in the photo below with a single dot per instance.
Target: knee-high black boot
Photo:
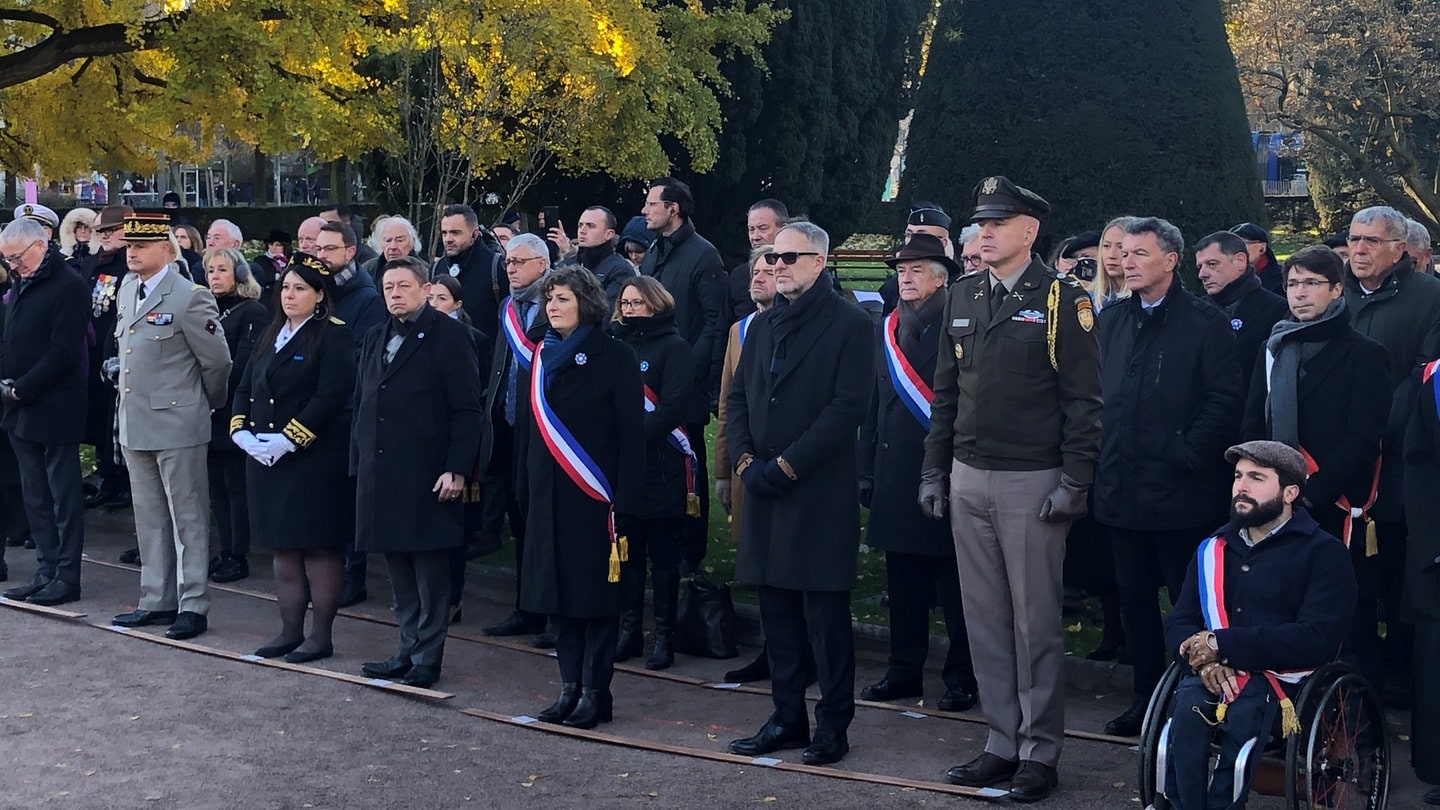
(666, 586)
(632, 611)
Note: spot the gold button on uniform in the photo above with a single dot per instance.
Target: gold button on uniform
(127, 390)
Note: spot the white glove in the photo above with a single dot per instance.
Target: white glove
(275, 447)
(245, 440)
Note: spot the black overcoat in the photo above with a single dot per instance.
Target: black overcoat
(892, 453)
(498, 380)
(103, 273)
(667, 368)
(1420, 604)
(565, 570)
(244, 321)
(1343, 397)
(807, 410)
(691, 269)
(1253, 311)
(303, 392)
(415, 419)
(42, 351)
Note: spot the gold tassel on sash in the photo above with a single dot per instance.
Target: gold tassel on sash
(1289, 723)
(692, 505)
(1220, 712)
(614, 563)
(624, 544)
(1372, 543)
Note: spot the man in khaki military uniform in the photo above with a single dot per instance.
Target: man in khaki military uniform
(1014, 435)
(174, 365)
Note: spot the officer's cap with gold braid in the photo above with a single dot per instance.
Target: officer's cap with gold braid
(147, 228)
(311, 263)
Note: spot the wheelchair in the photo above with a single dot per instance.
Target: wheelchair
(1340, 758)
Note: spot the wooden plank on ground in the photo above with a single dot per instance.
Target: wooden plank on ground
(41, 609)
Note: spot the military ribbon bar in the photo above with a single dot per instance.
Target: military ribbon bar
(909, 385)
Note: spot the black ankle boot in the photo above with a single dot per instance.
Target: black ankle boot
(666, 592)
(595, 707)
(631, 642)
(563, 705)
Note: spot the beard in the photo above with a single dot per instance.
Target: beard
(1258, 514)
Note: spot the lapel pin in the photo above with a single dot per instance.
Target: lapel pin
(581, 359)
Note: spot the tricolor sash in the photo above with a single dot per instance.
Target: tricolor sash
(1210, 571)
(680, 440)
(745, 327)
(572, 458)
(521, 346)
(909, 385)
(1352, 512)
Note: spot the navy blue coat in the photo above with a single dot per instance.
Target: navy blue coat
(42, 351)
(360, 306)
(1289, 599)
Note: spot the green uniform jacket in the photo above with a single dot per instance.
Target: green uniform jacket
(1019, 391)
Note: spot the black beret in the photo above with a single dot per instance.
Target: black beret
(928, 213)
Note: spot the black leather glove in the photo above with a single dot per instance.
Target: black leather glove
(934, 493)
(1066, 503)
(867, 492)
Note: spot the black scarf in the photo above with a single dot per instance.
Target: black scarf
(789, 319)
(591, 257)
(1292, 344)
(913, 321)
(1230, 297)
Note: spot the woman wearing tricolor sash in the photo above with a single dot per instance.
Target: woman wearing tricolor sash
(645, 319)
(584, 430)
(1266, 600)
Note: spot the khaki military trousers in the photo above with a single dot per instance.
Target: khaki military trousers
(170, 490)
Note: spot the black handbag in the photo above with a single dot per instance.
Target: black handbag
(705, 620)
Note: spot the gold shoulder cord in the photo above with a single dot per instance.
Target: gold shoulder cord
(1053, 307)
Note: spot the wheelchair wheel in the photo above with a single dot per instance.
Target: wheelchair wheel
(1157, 720)
(1341, 757)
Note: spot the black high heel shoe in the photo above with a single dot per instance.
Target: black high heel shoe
(299, 657)
(277, 650)
(595, 707)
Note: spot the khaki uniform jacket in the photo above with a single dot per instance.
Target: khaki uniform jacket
(174, 363)
(1019, 391)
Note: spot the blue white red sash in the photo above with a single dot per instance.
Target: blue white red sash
(1210, 574)
(680, 440)
(571, 457)
(909, 385)
(745, 327)
(521, 346)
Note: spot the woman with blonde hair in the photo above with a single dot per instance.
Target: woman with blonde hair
(1109, 284)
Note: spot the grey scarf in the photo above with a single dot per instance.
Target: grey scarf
(1292, 344)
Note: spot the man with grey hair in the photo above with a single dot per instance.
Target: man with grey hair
(1399, 308)
(42, 388)
(1171, 385)
(398, 238)
(1417, 244)
(795, 405)
(522, 325)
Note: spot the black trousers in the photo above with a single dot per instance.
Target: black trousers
(54, 505)
(1399, 645)
(795, 621)
(656, 540)
(695, 531)
(501, 500)
(916, 584)
(228, 502)
(585, 649)
(1145, 561)
(421, 583)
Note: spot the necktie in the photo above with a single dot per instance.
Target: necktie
(997, 295)
(142, 292)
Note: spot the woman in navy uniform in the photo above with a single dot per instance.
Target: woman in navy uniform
(571, 568)
(291, 414)
(645, 319)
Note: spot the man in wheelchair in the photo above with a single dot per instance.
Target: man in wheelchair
(1266, 600)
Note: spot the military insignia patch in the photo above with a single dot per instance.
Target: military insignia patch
(211, 326)
(989, 185)
(1085, 314)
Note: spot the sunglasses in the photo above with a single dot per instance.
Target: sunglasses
(789, 257)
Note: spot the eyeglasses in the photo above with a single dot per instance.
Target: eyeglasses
(328, 248)
(970, 260)
(631, 304)
(18, 256)
(1311, 284)
(516, 262)
(1370, 241)
(789, 257)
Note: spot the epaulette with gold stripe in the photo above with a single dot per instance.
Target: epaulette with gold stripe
(336, 321)
(298, 433)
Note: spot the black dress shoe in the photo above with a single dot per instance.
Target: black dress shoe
(544, 641)
(563, 705)
(29, 543)
(1105, 652)
(141, 618)
(306, 656)
(958, 699)
(1432, 796)
(121, 500)
(34, 585)
(982, 771)
(596, 706)
(100, 496)
(188, 624)
(58, 592)
(1033, 782)
(215, 562)
(1128, 723)
(352, 593)
(830, 746)
(888, 689)
(423, 676)
(131, 557)
(231, 569)
(519, 624)
(392, 667)
(277, 650)
(770, 737)
(757, 670)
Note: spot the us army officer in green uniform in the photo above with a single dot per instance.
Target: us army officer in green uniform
(1014, 435)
